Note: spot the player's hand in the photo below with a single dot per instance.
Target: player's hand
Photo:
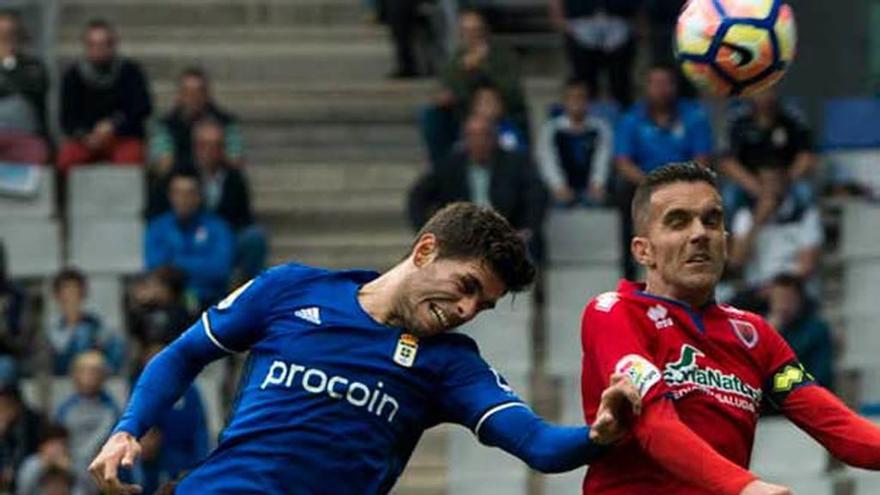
(619, 402)
(121, 449)
(759, 487)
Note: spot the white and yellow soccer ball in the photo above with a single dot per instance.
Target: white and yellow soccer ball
(735, 47)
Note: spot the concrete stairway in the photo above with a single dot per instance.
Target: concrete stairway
(331, 145)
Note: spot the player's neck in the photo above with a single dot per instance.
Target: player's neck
(695, 298)
(375, 297)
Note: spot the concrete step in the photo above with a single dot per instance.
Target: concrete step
(331, 134)
(342, 153)
(143, 34)
(240, 61)
(127, 13)
(332, 178)
(339, 209)
(371, 101)
(426, 472)
(343, 249)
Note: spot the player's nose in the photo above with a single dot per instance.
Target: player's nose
(467, 308)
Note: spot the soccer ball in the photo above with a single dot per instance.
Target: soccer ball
(735, 47)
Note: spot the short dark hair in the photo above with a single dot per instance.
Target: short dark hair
(663, 176)
(54, 431)
(99, 23)
(465, 231)
(193, 71)
(70, 275)
(575, 83)
(185, 173)
(790, 281)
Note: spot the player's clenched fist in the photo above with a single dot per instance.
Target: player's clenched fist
(761, 488)
(121, 449)
(619, 402)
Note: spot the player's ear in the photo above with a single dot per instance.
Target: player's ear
(641, 251)
(425, 250)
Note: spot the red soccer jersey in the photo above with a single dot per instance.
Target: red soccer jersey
(715, 363)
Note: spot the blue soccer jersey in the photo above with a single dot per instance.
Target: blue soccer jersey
(331, 401)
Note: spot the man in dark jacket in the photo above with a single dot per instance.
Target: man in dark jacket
(23, 88)
(226, 193)
(104, 104)
(482, 173)
(171, 140)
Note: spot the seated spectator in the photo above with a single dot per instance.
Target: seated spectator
(764, 133)
(24, 85)
(599, 37)
(171, 140)
(90, 413)
(484, 174)
(780, 233)
(662, 16)
(192, 240)
(104, 104)
(76, 330)
(794, 315)
(155, 308)
(488, 103)
(57, 481)
(653, 133)
(14, 338)
(477, 62)
(574, 152)
(226, 193)
(20, 430)
(53, 453)
(178, 441)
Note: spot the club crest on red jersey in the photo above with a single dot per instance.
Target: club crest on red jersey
(746, 332)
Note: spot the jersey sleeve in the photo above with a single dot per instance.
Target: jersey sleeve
(241, 319)
(613, 343)
(471, 390)
(783, 372)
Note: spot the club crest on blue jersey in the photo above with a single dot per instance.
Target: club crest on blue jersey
(407, 348)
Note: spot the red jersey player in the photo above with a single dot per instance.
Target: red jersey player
(703, 369)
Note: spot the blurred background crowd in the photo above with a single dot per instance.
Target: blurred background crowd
(154, 156)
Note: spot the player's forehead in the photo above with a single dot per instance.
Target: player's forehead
(490, 282)
(693, 197)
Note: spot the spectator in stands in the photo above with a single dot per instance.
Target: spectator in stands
(489, 104)
(403, 16)
(90, 413)
(779, 233)
(171, 139)
(195, 241)
(53, 453)
(76, 330)
(795, 316)
(764, 133)
(574, 151)
(57, 481)
(657, 131)
(478, 62)
(484, 174)
(179, 441)
(599, 37)
(24, 85)
(20, 429)
(226, 193)
(662, 19)
(156, 311)
(104, 104)
(14, 338)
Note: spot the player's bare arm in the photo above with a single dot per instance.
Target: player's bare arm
(619, 404)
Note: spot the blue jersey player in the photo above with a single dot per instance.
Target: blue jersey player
(346, 369)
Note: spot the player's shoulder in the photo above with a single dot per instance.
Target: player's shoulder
(454, 342)
(610, 303)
